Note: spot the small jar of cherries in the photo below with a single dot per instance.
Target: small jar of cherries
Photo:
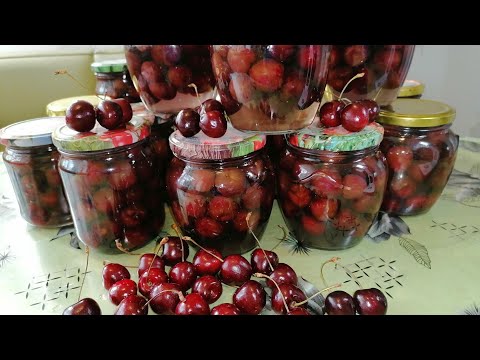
(221, 190)
(113, 80)
(421, 150)
(331, 183)
(114, 190)
(31, 160)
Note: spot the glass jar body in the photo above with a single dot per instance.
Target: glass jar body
(114, 195)
(116, 85)
(210, 200)
(420, 162)
(330, 199)
(37, 184)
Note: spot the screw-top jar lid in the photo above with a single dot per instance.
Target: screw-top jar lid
(337, 138)
(411, 88)
(59, 107)
(109, 66)
(33, 132)
(201, 147)
(100, 138)
(417, 113)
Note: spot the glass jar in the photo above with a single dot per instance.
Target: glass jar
(214, 184)
(113, 80)
(421, 150)
(112, 185)
(162, 154)
(385, 68)
(271, 89)
(162, 74)
(411, 89)
(331, 185)
(32, 165)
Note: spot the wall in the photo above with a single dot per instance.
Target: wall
(451, 75)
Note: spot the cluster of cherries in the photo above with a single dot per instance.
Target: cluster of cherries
(190, 288)
(353, 116)
(210, 118)
(112, 114)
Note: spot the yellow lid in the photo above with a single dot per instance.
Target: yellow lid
(417, 113)
(59, 107)
(411, 88)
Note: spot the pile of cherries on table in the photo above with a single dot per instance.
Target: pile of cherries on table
(189, 288)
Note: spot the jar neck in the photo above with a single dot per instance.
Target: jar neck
(334, 157)
(223, 162)
(33, 150)
(395, 129)
(107, 152)
(109, 76)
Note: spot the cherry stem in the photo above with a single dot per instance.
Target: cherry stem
(179, 234)
(295, 304)
(282, 239)
(163, 242)
(179, 293)
(87, 250)
(260, 275)
(122, 249)
(65, 72)
(332, 260)
(348, 83)
(196, 92)
(105, 262)
(258, 241)
(188, 238)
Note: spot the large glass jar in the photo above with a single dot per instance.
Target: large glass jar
(385, 68)
(112, 185)
(270, 89)
(32, 165)
(163, 75)
(113, 80)
(421, 150)
(215, 184)
(331, 185)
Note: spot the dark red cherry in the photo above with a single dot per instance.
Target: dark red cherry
(126, 109)
(188, 122)
(146, 262)
(250, 298)
(330, 113)
(132, 305)
(373, 109)
(193, 304)
(112, 273)
(172, 250)
(291, 294)
(207, 264)
(298, 311)
(81, 116)
(212, 105)
(370, 302)
(355, 116)
(109, 114)
(259, 261)
(121, 289)
(150, 279)
(225, 309)
(209, 287)
(339, 303)
(213, 124)
(164, 298)
(235, 270)
(283, 274)
(86, 306)
(183, 274)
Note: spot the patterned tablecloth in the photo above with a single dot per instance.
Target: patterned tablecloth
(432, 268)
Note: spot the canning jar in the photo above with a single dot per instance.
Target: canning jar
(164, 74)
(31, 160)
(421, 150)
(411, 89)
(270, 89)
(214, 184)
(113, 80)
(385, 68)
(111, 184)
(331, 184)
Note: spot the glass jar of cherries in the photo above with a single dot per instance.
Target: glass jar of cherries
(385, 68)
(331, 184)
(170, 78)
(221, 190)
(112, 185)
(421, 150)
(113, 80)
(270, 89)
(31, 160)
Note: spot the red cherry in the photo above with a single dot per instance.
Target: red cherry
(283, 274)
(166, 54)
(330, 113)
(150, 279)
(209, 287)
(298, 311)
(240, 59)
(312, 226)
(183, 274)
(339, 303)
(253, 198)
(163, 300)
(291, 294)
(281, 53)
(230, 182)
(250, 298)
(355, 55)
(399, 157)
(126, 109)
(225, 309)
(211, 105)
(259, 261)
(122, 176)
(132, 305)
(109, 114)
(208, 228)
(112, 273)
(267, 75)
(188, 122)
(327, 183)
(86, 306)
(213, 124)
(235, 270)
(355, 116)
(205, 263)
(121, 289)
(370, 302)
(172, 251)
(194, 304)
(307, 56)
(195, 206)
(402, 186)
(240, 220)
(373, 109)
(299, 195)
(146, 261)
(179, 76)
(80, 116)
(222, 208)
(353, 186)
(324, 209)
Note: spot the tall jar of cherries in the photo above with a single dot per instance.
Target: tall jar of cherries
(421, 150)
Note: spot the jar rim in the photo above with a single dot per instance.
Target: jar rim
(31, 132)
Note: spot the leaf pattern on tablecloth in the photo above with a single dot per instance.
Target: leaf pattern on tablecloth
(386, 225)
(7, 208)
(417, 250)
(470, 145)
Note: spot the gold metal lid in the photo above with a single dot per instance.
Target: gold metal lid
(417, 113)
(411, 88)
(59, 107)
